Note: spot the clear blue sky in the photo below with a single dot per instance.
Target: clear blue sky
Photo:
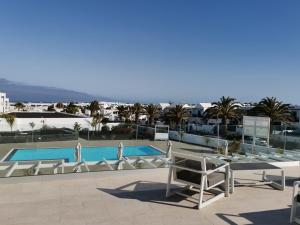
(155, 50)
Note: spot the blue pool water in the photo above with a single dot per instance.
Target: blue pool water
(88, 153)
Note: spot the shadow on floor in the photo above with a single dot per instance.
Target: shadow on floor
(150, 192)
(274, 217)
(289, 181)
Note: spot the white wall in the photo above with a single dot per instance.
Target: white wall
(22, 124)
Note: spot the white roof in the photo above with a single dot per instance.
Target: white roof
(183, 105)
(164, 105)
(204, 106)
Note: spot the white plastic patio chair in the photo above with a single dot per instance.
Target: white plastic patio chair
(295, 203)
(201, 173)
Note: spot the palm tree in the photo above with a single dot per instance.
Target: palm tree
(177, 114)
(276, 110)
(77, 127)
(94, 107)
(32, 125)
(226, 109)
(51, 108)
(10, 119)
(152, 112)
(72, 108)
(19, 106)
(94, 123)
(121, 111)
(60, 105)
(137, 109)
(98, 119)
(127, 115)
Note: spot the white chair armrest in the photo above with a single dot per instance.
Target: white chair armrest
(297, 183)
(296, 190)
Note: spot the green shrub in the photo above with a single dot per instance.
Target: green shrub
(279, 151)
(105, 129)
(234, 146)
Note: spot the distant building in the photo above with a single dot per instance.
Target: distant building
(162, 106)
(296, 113)
(4, 103)
(199, 109)
(111, 113)
(169, 107)
(32, 107)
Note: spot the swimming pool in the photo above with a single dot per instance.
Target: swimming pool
(87, 153)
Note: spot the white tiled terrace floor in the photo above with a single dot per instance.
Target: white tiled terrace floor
(133, 197)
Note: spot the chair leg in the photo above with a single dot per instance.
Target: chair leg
(294, 201)
(227, 182)
(231, 181)
(282, 180)
(293, 212)
(201, 191)
(169, 181)
(264, 176)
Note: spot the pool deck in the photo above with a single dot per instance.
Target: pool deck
(133, 197)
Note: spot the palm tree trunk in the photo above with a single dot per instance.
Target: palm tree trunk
(179, 123)
(271, 128)
(224, 130)
(225, 127)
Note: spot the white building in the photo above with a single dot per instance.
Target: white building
(187, 107)
(32, 107)
(162, 106)
(4, 103)
(111, 113)
(199, 109)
